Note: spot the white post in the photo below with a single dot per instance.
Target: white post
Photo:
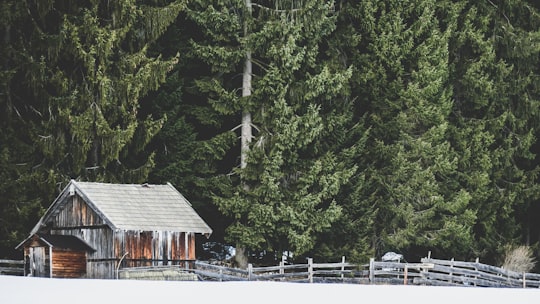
(342, 266)
(250, 271)
(282, 267)
(451, 273)
(371, 270)
(476, 269)
(50, 262)
(310, 270)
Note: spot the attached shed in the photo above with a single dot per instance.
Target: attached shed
(56, 256)
(121, 225)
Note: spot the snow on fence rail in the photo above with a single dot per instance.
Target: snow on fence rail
(12, 267)
(428, 272)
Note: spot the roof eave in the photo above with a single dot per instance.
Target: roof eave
(69, 190)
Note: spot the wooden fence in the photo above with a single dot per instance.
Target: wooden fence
(342, 272)
(12, 267)
(474, 274)
(428, 272)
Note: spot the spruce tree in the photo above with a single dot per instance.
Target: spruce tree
(187, 152)
(402, 83)
(285, 193)
(20, 205)
(494, 58)
(73, 75)
(86, 69)
(103, 73)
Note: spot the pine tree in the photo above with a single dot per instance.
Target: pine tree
(494, 57)
(351, 234)
(85, 83)
(19, 205)
(284, 195)
(403, 89)
(187, 153)
(103, 74)
(73, 74)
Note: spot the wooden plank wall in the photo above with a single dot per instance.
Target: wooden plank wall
(77, 213)
(38, 260)
(78, 219)
(143, 248)
(68, 264)
(153, 248)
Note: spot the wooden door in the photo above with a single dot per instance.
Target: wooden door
(39, 262)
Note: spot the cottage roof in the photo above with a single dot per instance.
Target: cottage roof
(66, 242)
(58, 241)
(144, 207)
(135, 207)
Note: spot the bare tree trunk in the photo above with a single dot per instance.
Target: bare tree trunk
(245, 138)
(241, 255)
(246, 115)
(240, 258)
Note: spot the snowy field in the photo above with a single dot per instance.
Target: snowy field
(14, 290)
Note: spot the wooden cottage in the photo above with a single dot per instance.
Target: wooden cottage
(92, 229)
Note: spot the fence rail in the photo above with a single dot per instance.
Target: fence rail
(428, 272)
(12, 267)
(310, 272)
(475, 274)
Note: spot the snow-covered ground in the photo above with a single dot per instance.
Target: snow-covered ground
(14, 290)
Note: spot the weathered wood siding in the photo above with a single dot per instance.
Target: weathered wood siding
(78, 219)
(191, 241)
(76, 213)
(102, 262)
(153, 248)
(37, 260)
(68, 264)
(144, 248)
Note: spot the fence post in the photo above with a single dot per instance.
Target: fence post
(250, 271)
(310, 269)
(342, 266)
(371, 270)
(451, 273)
(524, 282)
(282, 268)
(476, 269)
(405, 274)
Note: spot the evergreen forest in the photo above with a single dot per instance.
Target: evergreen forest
(316, 128)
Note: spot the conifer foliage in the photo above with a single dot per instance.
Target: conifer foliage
(321, 128)
(73, 73)
(403, 77)
(285, 193)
